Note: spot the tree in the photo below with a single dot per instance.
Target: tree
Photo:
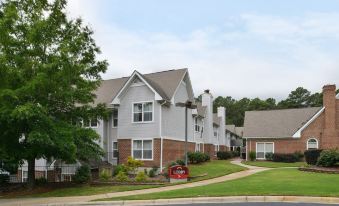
(296, 99)
(48, 70)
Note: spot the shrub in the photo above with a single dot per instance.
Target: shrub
(180, 162)
(284, 158)
(197, 157)
(151, 173)
(41, 181)
(235, 153)
(328, 158)
(104, 175)
(121, 177)
(298, 155)
(83, 174)
(252, 155)
(133, 164)
(224, 155)
(119, 168)
(269, 156)
(311, 156)
(4, 178)
(141, 177)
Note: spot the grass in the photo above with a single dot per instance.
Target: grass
(271, 164)
(91, 190)
(215, 168)
(272, 182)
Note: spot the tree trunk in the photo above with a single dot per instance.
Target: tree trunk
(31, 173)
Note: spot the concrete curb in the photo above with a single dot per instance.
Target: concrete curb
(230, 199)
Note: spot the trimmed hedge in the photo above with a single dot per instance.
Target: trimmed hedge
(284, 158)
(311, 156)
(197, 157)
(328, 158)
(224, 155)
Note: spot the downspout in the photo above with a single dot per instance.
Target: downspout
(161, 137)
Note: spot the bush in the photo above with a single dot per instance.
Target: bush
(133, 164)
(197, 157)
(104, 175)
(119, 168)
(224, 155)
(180, 162)
(298, 155)
(141, 177)
(311, 156)
(4, 178)
(121, 177)
(252, 155)
(235, 153)
(328, 158)
(269, 156)
(83, 174)
(289, 158)
(41, 181)
(152, 172)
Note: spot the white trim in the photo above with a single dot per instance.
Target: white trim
(337, 96)
(313, 139)
(116, 99)
(256, 149)
(114, 141)
(89, 124)
(142, 148)
(298, 133)
(266, 137)
(142, 112)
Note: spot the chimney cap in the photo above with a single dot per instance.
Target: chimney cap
(207, 91)
(329, 87)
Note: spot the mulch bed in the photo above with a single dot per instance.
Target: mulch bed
(329, 170)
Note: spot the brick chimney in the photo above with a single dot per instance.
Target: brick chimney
(329, 137)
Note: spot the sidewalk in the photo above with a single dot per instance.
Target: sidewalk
(83, 199)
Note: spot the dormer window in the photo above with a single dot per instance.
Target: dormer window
(143, 112)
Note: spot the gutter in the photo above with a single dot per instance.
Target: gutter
(161, 137)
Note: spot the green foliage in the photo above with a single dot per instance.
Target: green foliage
(269, 156)
(180, 162)
(298, 156)
(141, 177)
(224, 155)
(197, 157)
(311, 156)
(48, 72)
(328, 158)
(288, 158)
(236, 108)
(119, 168)
(252, 155)
(4, 179)
(133, 165)
(152, 172)
(41, 181)
(105, 175)
(121, 177)
(82, 175)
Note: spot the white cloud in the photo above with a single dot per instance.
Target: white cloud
(269, 56)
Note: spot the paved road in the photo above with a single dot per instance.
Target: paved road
(257, 204)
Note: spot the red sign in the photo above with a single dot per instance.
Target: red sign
(178, 172)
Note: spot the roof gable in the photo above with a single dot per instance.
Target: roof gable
(277, 123)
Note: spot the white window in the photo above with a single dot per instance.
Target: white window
(142, 149)
(24, 176)
(197, 147)
(196, 125)
(115, 118)
(115, 150)
(312, 143)
(263, 148)
(92, 123)
(143, 112)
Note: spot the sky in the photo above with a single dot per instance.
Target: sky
(243, 48)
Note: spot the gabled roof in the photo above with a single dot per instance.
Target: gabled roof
(239, 131)
(276, 123)
(201, 109)
(230, 128)
(164, 83)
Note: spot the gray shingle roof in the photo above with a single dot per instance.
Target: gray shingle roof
(239, 131)
(216, 119)
(201, 109)
(165, 83)
(230, 128)
(276, 123)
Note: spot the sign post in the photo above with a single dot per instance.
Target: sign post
(178, 173)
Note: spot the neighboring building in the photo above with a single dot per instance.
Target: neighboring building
(234, 137)
(291, 130)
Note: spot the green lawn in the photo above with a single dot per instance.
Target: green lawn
(271, 164)
(271, 182)
(215, 168)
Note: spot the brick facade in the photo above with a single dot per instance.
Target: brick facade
(325, 128)
(172, 150)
